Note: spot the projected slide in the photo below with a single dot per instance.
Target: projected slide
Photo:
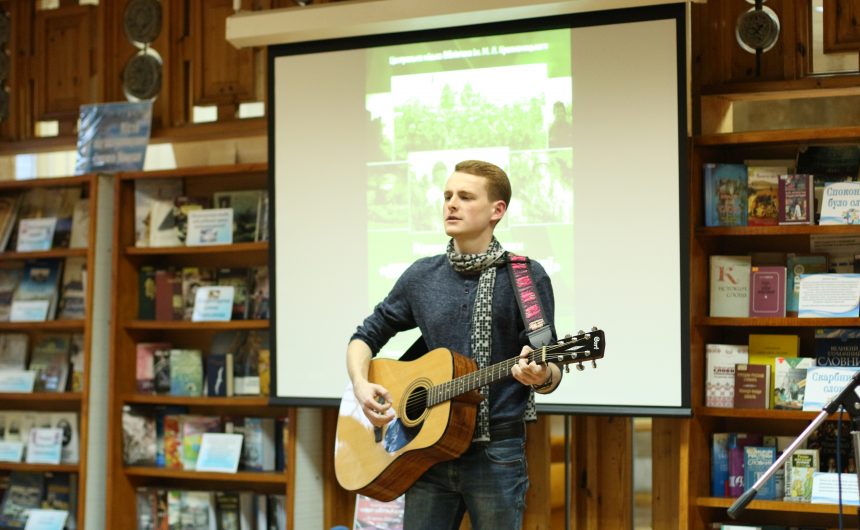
(505, 99)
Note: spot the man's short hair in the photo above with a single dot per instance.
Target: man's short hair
(498, 185)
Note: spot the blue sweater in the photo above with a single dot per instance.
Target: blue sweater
(439, 301)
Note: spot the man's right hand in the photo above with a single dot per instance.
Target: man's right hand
(375, 402)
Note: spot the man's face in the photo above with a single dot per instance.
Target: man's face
(468, 211)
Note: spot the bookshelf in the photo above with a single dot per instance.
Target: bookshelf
(128, 329)
(699, 509)
(67, 401)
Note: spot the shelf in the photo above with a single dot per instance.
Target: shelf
(242, 477)
(40, 468)
(812, 135)
(777, 506)
(221, 402)
(786, 230)
(233, 255)
(208, 250)
(234, 170)
(48, 325)
(166, 325)
(761, 322)
(759, 414)
(59, 182)
(43, 254)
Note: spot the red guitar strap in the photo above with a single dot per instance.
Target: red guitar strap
(538, 330)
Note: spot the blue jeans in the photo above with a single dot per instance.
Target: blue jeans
(489, 481)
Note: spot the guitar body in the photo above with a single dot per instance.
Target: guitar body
(384, 463)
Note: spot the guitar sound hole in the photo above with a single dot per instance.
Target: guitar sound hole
(416, 404)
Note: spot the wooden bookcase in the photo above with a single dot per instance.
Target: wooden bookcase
(60, 401)
(127, 330)
(701, 508)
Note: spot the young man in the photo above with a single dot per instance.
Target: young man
(464, 301)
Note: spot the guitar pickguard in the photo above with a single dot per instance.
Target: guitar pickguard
(397, 435)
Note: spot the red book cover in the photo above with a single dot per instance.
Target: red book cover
(752, 386)
(164, 294)
(796, 199)
(767, 291)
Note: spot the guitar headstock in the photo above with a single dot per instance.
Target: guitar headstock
(580, 348)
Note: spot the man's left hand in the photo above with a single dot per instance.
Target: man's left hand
(529, 373)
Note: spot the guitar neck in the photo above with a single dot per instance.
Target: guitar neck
(481, 377)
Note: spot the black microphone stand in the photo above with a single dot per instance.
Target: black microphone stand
(847, 399)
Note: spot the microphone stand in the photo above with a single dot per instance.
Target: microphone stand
(847, 399)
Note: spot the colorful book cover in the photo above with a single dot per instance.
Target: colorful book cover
(838, 347)
(798, 265)
(11, 275)
(161, 370)
(239, 279)
(246, 205)
(258, 450)
(795, 199)
(725, 194)
(186, 372)
(834, 447)
(145, 365)
(757, 460)
(24, 492)
(50, 361)
(729, 286)
(752, 386)
(40, 282)
(767, 292)
(763, 199)
(73, 293)
(193, 426)
(736, 444)
(371, 513)
(800, 467)
(138, 438)
(790, 381)
(720, 464)
(172, 441)
(147, 191)
(720, 373)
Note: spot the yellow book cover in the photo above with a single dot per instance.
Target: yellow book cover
(764, 349)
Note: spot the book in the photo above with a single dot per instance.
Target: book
(11, 275)
(837, 347)
(764, 348)
(763, 194)
(138, 438)
(192, 279)
(163, 231)
(196, 510)
(9, 204)
(767, 292)
(13, 351)
(227, 510)
(371, 513)
(35, 234)
(76, 355)
(172, 441)
(67, 422)
(752, 386)
(798, 265)
(216, 374)
(40, 285)
(50, 360)
(264, 368)
(145, 365)
(161, 370)
(799, 469)
(259, 303)
(80, 233)
(25, 492)
(833, 445)
(73, 293)
(245, 205)
(729, 286)
(258, 449)
(146, 293)
(757, 460)
(720, 373)
(239, 279)
(186, 372)
(182, 207)
(725, 194)
(146, 191)
(795, 199)
(737, 442)
(192, 429)
(790, 381)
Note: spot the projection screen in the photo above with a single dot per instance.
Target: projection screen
(586, 113)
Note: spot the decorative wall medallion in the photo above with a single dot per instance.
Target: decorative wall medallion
(757, 29)
(141, 77)
(142, 20)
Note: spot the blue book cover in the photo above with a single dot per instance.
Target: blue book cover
(720, 464)
(186, 373)
(725, 194)
(797, 265)
(837, 347)
(757, 460)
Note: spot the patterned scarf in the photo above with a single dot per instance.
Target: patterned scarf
(482, 319)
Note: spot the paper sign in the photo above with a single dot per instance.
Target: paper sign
(11, 451)
(45, 446)
(17, 381)
(213, 303)
(825, 488)
(39, 519)
(219, 452)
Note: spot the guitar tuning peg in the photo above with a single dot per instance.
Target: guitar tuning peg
(580, 367)
(567, 368)
(593, 328)
(580, 332)
(594, 363)
(568, 336)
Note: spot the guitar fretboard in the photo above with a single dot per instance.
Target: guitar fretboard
(481, 377)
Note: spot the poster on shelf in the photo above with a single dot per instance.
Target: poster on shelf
(113, 137)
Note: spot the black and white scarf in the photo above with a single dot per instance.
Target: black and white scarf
(482, 321)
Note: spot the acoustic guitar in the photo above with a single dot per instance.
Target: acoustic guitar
(435, 401)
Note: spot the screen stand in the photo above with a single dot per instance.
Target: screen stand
(846, 399)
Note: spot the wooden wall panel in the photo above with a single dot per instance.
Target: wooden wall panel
(719, 61)
(222, 75)
(841, 25)
(64, 47)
